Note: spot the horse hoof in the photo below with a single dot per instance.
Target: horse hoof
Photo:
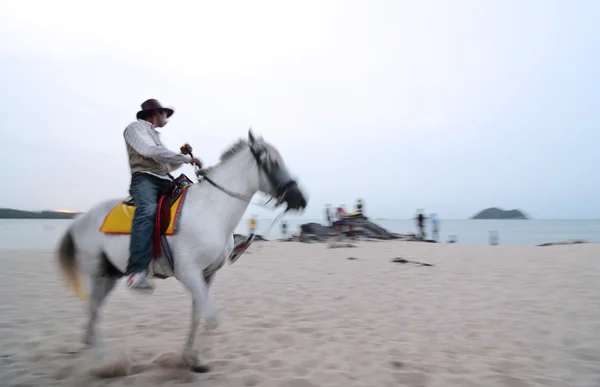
(200, 369)
(212, 323)
(88, 342)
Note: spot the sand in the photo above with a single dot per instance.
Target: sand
(303, 315)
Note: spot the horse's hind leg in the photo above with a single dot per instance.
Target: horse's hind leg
(101, 286)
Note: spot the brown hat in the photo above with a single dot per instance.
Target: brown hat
(150, 106)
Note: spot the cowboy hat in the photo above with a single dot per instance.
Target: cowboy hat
(152, 105)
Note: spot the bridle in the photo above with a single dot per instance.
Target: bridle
(280, 189)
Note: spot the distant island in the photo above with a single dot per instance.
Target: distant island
(9, 213)
(497, 213)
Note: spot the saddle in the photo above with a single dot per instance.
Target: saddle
(118, 220)
(166, 200)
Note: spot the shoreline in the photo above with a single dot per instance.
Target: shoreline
(363, 243)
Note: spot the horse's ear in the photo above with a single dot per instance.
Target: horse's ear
(250, 137)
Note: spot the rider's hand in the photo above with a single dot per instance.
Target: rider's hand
(195, 161)
(186, 149)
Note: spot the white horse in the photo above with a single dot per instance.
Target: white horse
(204, 239)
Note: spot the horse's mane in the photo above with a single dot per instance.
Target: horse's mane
(234, 149)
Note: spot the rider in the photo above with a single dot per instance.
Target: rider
(150, 163)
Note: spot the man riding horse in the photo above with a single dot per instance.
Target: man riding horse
(150, 163)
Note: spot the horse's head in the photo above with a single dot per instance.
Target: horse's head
(274, 177)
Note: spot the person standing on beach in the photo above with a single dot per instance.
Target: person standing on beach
(337, 220)
(341, 218)
(328, 215)
(434, 227)
(150, 164)
(360, 206)
(493, 238)
(252, 224)
(421, 224)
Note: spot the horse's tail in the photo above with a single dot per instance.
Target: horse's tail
(67, 260)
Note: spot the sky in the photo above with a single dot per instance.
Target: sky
(449, 106)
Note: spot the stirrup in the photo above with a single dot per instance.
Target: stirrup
(240, 248)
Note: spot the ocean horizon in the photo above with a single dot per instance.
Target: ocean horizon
(45, 233)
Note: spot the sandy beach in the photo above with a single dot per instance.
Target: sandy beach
(303, 315)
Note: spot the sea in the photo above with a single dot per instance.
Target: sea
(45, 233)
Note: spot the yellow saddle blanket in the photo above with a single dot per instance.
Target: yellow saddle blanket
(119, 219)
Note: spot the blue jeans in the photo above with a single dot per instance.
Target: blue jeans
(145, 190)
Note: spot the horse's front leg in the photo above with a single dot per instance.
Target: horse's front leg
(199, 292)
(211, 309)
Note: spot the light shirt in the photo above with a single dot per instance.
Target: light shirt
(147, 153)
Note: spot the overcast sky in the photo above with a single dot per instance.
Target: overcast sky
(450, 106)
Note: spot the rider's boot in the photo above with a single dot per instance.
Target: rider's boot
(139, 282)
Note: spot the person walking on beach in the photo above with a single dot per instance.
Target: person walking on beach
(252, 224)
(150, 163)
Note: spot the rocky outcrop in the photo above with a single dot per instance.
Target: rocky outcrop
(314, 232)
(497, 213)
(361, 227)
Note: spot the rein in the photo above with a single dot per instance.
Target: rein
(241, 197)
(238, 196)
(247, 198)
